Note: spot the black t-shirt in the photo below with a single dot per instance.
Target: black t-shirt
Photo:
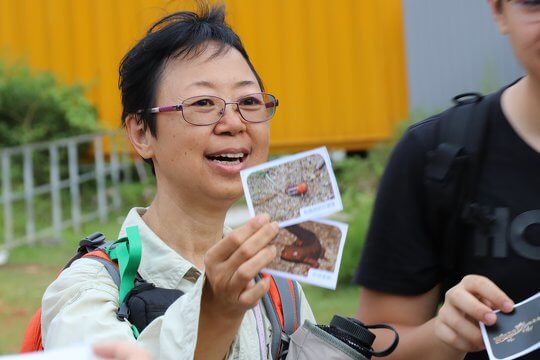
(400, 256)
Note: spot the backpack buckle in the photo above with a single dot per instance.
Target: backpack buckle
(123, 312)
(91, 242)
(467, 98)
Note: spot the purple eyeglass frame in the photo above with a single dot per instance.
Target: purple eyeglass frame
(180, 107)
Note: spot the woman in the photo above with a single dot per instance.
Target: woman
(194, 107)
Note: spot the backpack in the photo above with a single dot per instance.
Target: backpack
(451, 175)
(141, 302)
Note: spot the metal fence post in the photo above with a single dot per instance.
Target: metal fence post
(74, 185)
(115, 172)
(6, 195)
(55, 190)
(28, 179)
(100, 178)
(126, 160)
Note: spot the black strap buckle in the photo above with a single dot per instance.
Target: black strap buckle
(123, 312)
(467, 98)
(91, 242)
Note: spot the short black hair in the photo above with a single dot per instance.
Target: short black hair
(183, 34)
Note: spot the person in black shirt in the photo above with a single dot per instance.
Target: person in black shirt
(400, 270)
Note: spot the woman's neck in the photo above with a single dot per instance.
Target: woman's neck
(187, 228)
(521, 106)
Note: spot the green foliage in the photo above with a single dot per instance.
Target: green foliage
(358, 205)
(327, 303)
(35, 107)
(138, 193)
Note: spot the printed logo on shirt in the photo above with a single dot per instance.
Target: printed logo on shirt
(522, 234)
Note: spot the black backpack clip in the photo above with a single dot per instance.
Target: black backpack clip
(467, 98)
(91, 242)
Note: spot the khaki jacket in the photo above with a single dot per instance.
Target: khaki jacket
(81, 304)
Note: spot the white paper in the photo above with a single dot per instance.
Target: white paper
(294, 188)
(319, 270)
(521, 327)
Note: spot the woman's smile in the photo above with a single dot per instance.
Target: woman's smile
(228, 161)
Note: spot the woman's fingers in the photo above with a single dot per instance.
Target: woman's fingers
(250, 268)
(234, 261)
(221, 251)
(251, 296)
(253, 245)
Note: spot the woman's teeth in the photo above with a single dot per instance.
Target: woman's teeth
(230, 159)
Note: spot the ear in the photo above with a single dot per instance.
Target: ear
(498, 11)
(139, 137)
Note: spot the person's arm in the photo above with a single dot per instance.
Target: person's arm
(447, 334)
(80, 305)
(412, 317)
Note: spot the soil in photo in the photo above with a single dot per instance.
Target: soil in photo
(309, 254)
(281, 191)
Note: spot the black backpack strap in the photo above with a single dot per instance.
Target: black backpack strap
(452, 170)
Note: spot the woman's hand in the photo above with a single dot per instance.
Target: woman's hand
(467, 303)
(232, 264)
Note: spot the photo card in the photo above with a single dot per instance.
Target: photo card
(514, 334)
(294, 188)
(310, 252)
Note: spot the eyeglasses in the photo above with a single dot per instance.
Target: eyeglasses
(529, 10)
(207, 110)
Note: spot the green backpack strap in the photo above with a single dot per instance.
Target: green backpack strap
(127, 253)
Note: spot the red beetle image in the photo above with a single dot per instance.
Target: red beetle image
(295, 190)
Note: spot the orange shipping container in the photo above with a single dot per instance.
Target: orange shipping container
(337, 67)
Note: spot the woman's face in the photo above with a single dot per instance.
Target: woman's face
(520, 20)
(200, 162)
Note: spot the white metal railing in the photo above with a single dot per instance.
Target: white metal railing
(105, 161)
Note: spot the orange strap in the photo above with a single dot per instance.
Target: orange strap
(32, 336)
(276, 299)
(100, 254)
(293, 297)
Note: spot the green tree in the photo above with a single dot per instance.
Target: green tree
(36, 107)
